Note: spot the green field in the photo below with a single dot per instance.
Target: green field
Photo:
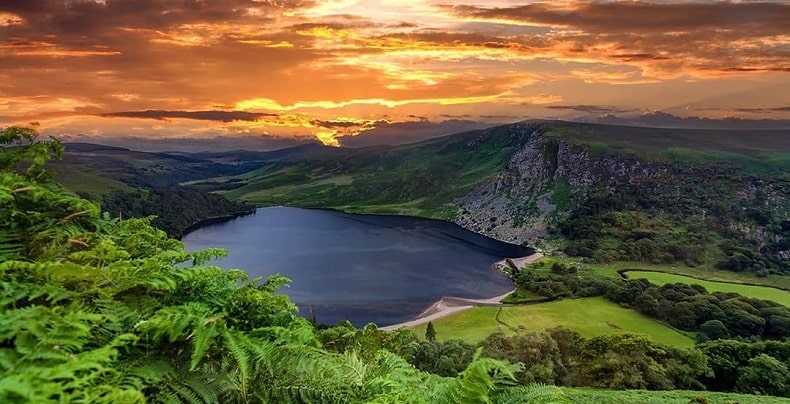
(590, 317)
(757, 292)
(92, 184)
(700, 272)
(580, 395)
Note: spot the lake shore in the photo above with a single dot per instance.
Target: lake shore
(451, 305)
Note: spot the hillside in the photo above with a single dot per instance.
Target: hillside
(105, 310)
(136, 184)
(605, 193)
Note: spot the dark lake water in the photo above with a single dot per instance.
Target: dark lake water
(364, 268)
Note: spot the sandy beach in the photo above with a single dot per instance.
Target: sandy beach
(451, 305)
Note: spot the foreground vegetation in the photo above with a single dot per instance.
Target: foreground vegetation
(99, 309)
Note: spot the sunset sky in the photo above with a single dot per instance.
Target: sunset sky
(324, 69)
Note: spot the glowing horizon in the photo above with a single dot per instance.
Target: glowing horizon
(324, 69)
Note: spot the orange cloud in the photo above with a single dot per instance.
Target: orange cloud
(296, 66)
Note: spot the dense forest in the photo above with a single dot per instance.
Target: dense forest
(98, 308)
(176, 209)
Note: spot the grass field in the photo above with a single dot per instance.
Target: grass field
(758, 292)
(590, 317)
(585, 396)
(701, 272)
(82, 181)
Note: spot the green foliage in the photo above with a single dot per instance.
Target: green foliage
(748, 367)
(765, 375)
(418, 179)
(19, 145)
(104, 310)
(175, 209)
(536, 393)
(444, 358)
(430, 332)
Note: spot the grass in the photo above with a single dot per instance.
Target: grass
(701, 272)
(415, 179)
(582, 395)
(589, 317)
(757, 292)
(82, 181)
(752, 148)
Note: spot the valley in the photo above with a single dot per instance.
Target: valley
(712, 212)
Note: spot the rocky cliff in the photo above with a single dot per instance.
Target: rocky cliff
(549, 179)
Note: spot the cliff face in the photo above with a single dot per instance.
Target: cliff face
(548, 179)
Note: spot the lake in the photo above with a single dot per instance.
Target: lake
(364, 268)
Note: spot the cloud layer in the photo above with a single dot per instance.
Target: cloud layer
(339, 68)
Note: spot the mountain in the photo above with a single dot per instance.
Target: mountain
(601, 192)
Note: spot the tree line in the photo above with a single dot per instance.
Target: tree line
(687, 307)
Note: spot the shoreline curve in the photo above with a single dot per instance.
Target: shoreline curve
(451, 305)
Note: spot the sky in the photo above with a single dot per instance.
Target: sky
(335, 69)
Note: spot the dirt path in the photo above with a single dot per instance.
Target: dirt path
(451, 305)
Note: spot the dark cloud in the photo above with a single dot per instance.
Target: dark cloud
(592, 109)
(85, 17)
(337, 124)
(764, 110)
(762, 18)
(660, 119)
(668, 36)
(219, 116)
(393, 133)
(220, 143)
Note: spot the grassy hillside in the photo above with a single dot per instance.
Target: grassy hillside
(753, 149)
(589, 317)
(134, 184)
(757, 292)
(89, 184)
(419, 179)
(426, 175)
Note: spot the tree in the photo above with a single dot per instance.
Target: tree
(765, 375)
(714, 329)
(430, 332)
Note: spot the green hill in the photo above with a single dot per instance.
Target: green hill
(604, 193)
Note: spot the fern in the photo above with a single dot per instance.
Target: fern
(10, 245)
(237, 346)
(203, 338)
(536, 393)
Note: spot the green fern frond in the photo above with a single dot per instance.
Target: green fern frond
(237, 346)
(10, 245)
(203, 338)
